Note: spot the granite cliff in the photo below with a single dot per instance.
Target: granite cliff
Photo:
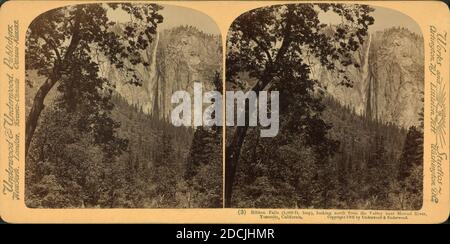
(389, 82)
(177, 58)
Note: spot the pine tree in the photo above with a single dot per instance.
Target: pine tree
(412, 154)
(378, 176)
(201, 151)
(164, 172)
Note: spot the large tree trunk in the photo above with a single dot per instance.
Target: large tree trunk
(233, 150)
(232, 154)
(36, 109)
(38, 102)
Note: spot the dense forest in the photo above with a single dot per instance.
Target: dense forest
(374, 165)
(158, 166)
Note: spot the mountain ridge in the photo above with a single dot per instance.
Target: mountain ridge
(177, 57)
(388, 81)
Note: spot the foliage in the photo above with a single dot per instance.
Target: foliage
(362, 173)
(68, 168)
(63, 45)
(272, 45)
(91, 148)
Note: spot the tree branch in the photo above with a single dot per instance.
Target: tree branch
(264, 49)
(75, 39)
(51, 44)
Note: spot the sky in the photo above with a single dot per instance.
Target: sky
(384, 18)
(175, 16)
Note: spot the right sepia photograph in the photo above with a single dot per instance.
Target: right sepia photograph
(350, 83)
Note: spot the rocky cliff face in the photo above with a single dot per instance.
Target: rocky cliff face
(178, 57)
(389, 82)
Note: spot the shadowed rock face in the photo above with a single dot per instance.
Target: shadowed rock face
(389, 83)
(396, 75)
(178, 57)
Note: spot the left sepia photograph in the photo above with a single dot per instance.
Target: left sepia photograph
(99, 85)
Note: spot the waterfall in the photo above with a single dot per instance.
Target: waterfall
(366, 60)
(153, 64)
(153, 85)
(152, 68)
(368, 79)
